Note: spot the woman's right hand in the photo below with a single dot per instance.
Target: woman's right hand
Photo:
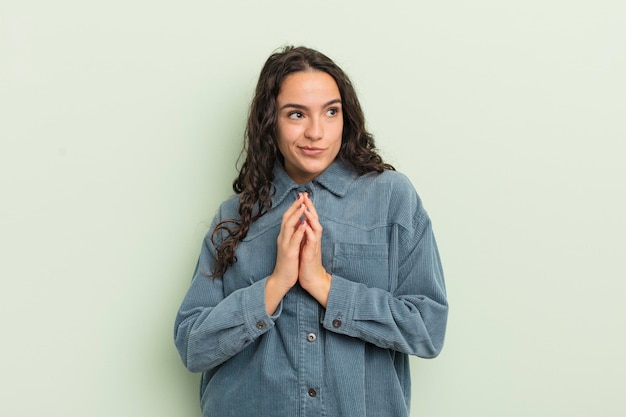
(287, 266)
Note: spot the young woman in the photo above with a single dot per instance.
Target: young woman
(321, 275)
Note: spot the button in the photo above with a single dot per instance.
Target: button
(337, 323)
(312, 393)
(260, 325)
(311, 337)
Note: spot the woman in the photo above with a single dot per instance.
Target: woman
(321, 275)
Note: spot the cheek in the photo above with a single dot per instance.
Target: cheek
(281, 137)
(286, 133)
(338, 133)
(285, 140)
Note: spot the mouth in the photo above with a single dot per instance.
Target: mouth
(311, 151)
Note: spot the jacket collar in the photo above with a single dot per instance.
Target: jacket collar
(337, 178)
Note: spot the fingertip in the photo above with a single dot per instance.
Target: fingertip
(305, 224)
(301, 229)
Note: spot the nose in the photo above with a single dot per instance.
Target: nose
(314, 130)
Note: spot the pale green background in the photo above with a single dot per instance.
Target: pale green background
(120, 127)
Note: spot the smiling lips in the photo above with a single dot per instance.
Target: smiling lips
(311, 151)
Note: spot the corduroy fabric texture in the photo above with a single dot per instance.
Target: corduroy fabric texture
(387, 301)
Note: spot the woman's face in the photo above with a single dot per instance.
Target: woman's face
(310, 123)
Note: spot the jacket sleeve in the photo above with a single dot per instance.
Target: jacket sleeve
(412, 317)
(210, 327)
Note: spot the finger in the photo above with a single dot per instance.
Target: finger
(313, 220)
(310, 237)
(292, 215)
(309, 204)
(299, 233)
(294, 206)
(311, 253)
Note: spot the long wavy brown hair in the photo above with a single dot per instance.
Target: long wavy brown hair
(254, 182)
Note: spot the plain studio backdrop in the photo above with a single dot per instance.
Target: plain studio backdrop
(121, 122)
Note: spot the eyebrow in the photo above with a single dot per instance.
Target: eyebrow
(301, 107)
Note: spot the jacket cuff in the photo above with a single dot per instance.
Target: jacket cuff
(340, 306)
(255, 316)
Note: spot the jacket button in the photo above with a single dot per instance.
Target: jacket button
(260, 325)
(312, 393)
(337, 323)
(311, 337)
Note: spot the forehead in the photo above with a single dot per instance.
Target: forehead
(309, 86)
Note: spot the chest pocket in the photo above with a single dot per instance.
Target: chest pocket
(367, 263)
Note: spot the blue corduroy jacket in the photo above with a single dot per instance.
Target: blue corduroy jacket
(387, 301)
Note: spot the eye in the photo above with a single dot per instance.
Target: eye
(295, 115)
(333, 111)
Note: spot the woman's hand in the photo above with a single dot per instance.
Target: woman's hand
(312, 274)
(290, 238)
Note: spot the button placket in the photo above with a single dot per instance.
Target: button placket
(310, 341)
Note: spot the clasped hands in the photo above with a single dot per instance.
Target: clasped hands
(299, 255)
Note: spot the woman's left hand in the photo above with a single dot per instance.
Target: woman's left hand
(312, 275)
